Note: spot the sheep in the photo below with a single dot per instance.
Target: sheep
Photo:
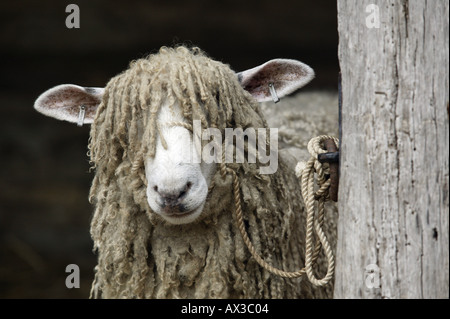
(163, 223)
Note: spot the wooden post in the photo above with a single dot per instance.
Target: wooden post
(393, 230)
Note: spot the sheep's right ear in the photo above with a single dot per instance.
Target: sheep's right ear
(69, 102)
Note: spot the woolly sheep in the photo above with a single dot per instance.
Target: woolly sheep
(163, 226)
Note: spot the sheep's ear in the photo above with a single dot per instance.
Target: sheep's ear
(70, 102)
(275, 79)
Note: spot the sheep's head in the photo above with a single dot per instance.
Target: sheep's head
(143, 121)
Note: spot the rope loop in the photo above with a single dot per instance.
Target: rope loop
(305, 171)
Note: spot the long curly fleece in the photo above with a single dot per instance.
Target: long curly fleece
(140, 255)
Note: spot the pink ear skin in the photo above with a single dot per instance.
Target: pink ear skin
(64, 102)
(285, 75)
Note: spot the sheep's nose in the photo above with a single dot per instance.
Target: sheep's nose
(172, 197)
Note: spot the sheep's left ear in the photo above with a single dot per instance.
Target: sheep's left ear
(70, 102)
(275, 79)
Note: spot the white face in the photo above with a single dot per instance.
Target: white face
(178, 181)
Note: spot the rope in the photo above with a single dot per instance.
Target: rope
(304, 171)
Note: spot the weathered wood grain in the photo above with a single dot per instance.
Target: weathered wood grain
(393, 192)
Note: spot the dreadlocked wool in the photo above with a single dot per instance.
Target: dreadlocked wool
(142, 256)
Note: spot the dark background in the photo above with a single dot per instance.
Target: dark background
(44, 170)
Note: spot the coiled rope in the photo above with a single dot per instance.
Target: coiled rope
(306, 172)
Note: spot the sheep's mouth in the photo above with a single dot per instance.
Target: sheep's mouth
(179, 211)
(179, 214)
(175, 215)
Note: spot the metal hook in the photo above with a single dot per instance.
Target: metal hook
(81, 115)
(273, 92)
(332, 157)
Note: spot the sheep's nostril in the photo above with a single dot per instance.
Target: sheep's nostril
(185, 190)
(155, 188)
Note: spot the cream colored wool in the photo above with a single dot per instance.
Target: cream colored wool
(140, 255)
